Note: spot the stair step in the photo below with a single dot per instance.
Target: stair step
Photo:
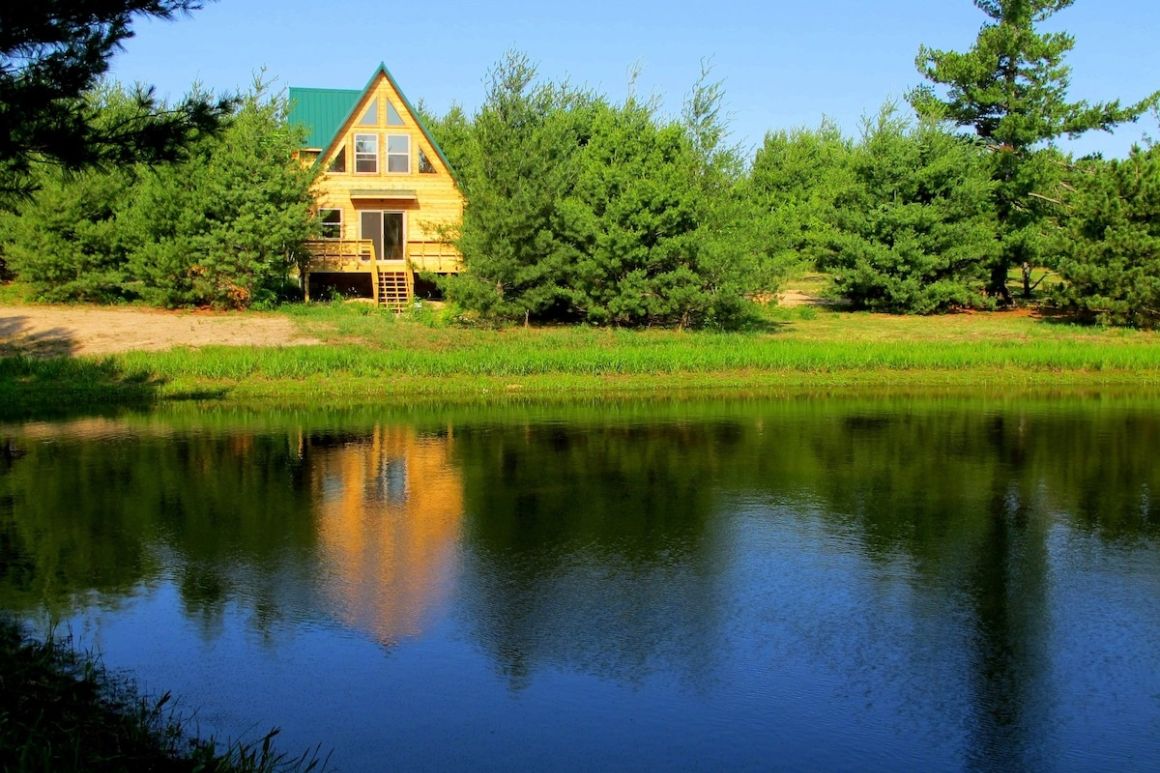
(394, 290)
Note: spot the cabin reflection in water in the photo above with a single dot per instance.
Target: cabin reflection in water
(390, 510)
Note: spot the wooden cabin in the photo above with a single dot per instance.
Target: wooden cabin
(386, 195)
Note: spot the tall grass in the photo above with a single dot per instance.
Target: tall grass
(370, 355)
(60, 710)
(618, 354)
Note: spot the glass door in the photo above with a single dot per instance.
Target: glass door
(388, 232)
(393, 238)
(371, 224)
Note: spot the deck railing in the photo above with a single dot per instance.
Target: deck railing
(358, 256)
(437, 257)
(341, 254)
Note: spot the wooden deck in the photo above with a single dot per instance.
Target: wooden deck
(393, 281)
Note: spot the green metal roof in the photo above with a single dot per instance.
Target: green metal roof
(321, 111)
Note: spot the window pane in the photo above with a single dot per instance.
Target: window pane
(425, 165)
(339, 162)
(393, 117)
(371, 116)
(366, 153)
(372, 229)
(392, 235)
(331, 223)
(398, 153)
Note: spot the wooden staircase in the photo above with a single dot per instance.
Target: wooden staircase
(394, 289)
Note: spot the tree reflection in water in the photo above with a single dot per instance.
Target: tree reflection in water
(917, 553)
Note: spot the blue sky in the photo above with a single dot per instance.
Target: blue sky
(783, 64)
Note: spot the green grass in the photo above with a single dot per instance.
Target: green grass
(622, 354)
(48, 387)
(15, 293)
(60, 710)
(369, 356)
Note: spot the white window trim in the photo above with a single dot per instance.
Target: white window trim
(407, 155)
(375, 155)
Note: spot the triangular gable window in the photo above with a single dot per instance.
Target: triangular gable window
(339, 162)
(371, 116)
(393, 117)
(425, 165)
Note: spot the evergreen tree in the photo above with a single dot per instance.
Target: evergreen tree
(796, 179)
(67, 240)
(646, 248)
(54, 52)
(1011, 89)
(578, 210)
(225, 227)
(521, 164)
(1111, 241)
(915, 231)
(220, 228)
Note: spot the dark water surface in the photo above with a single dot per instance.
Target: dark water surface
(922, 583)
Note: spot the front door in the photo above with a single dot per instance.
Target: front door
(386, 230)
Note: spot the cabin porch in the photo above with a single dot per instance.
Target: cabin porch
(392, 282)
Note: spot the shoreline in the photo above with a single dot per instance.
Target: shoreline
(114, 388)
(364, 357)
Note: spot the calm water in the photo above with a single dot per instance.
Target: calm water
(905, 583)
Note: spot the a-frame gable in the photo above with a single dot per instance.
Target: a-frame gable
(406, 111)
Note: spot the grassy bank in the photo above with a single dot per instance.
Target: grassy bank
(371, 356)
(61, 711)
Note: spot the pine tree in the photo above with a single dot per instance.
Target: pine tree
(1011, 89)
(795, 182)
(914, 232)
(1111, 242)
(54, 52)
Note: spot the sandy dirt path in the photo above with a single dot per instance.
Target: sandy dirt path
(57, 330)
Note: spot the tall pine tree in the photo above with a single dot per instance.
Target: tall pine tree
(1011, 89)
(53, 53)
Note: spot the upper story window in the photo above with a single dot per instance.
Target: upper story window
(398, 153)
(366, 153)
(338, 163)
(331, 223)
(393, 117)
(425, 165)
(371, 116)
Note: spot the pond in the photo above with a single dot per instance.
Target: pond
(905, 582)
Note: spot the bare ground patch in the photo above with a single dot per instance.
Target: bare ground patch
(62, 330)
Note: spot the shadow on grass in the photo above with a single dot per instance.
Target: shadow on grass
(40, 377)
(58, 387)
